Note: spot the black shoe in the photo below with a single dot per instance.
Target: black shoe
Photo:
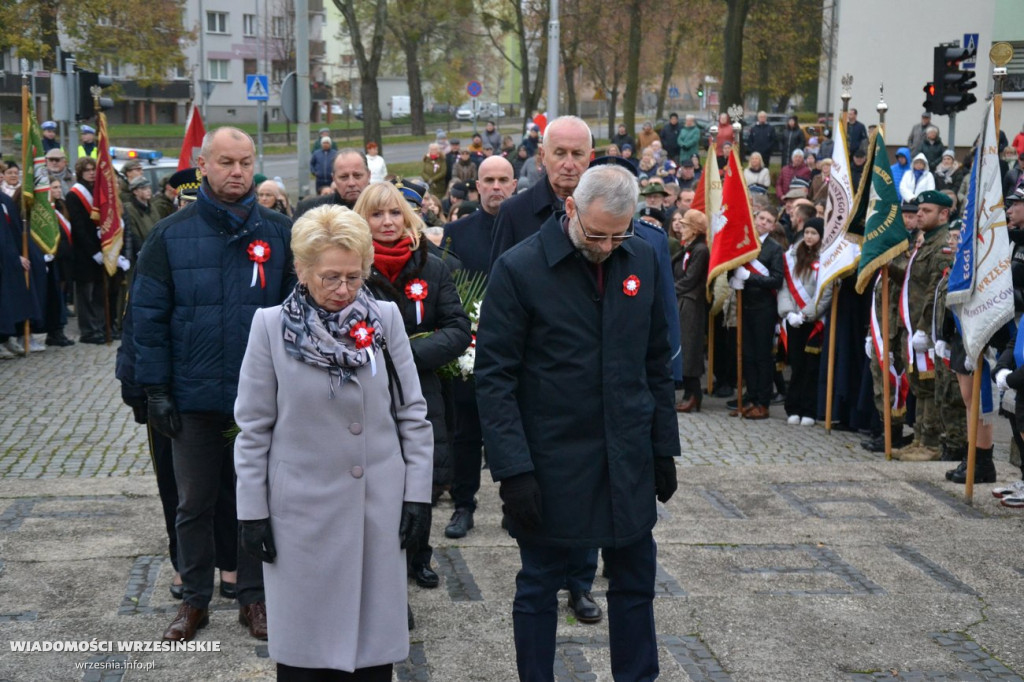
(58, 340)
(984, 469)
(960, 472)
(425, 577)
(584, 608)
(177, 591)
(412, 621)
(228, 590)
(778, 398)
(732, 404)
(95, 340)
(461, 523)
(723, 391)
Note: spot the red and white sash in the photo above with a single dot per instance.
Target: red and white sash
(899, 382)
(757, 267)
(686, 259)
(83, 193)
(922, 362)
(796, 287)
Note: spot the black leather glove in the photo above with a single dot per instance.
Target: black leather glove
(162, 413)
(414, 529)
(257, 539)
(522, 501)
(664, 478)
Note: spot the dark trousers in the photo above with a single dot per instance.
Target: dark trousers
(581, 569)
(758, 354)
(92, 321)
(290, 673)
(632, 638)
(802, 396)
(205, 473)
(54, 311)
(163, 467)
(466, 445)
(725, 353)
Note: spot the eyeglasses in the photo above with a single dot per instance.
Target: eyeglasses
(55, 158)
(334, 281)
(616, 238)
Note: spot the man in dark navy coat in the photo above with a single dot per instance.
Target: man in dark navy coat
(470, 239)
(576, 403)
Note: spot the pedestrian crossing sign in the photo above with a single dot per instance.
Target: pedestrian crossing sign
(256, 87)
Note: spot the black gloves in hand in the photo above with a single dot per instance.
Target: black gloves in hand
(163, 415)
(522, 501)
(257, 539)
(664, 478)
(414, 529)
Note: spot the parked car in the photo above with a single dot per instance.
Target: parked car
(468, 112)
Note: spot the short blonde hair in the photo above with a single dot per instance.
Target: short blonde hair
(381, 195)
(330, 226)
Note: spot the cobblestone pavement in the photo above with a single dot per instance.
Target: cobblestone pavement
(787, 554)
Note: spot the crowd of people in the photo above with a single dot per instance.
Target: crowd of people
(323, 338)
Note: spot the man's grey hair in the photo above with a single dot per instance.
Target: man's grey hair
(796, 153)
(614, 186)
(235, 133)
(565, 121)
(351, 150)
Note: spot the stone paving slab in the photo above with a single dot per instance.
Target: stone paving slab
(786, 554)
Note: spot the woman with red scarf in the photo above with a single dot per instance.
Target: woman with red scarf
(420, 283)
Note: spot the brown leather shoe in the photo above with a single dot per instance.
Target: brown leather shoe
(689, 405)
(254, 616)
(756, 412)
(186, 623)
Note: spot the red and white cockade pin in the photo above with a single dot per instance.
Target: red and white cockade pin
(259, 253)
(363, 335)
(416, 290)
(631, 285)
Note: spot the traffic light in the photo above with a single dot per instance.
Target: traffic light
(953, 83)
(932, 104)
(700, 91)
(86, 107)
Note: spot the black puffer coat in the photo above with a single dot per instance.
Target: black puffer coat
(448, 325)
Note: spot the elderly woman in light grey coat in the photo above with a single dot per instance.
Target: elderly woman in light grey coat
(334, 460)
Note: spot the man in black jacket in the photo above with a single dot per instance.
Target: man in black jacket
(201, 276)
(470, 238)
(669, 135)
(762, 138)
(760, 281)
(576, 402)
(351, 176)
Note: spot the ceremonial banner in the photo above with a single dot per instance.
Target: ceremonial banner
(839, 255)
(106, 208)
(193, 141)
(36, 210)
(885, 236)
(961, 274)
(735, 240)
(701, 199)
(989, 304)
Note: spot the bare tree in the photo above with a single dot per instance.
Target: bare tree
(736, 18)
(367, 61)
(525, 20)
(634, 9)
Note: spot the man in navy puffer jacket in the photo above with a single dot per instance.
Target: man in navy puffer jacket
(202, 274)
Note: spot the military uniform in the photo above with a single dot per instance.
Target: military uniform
(924, 270)
(877, 444)
(948, 399)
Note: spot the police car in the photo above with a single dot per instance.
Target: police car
(155, 166)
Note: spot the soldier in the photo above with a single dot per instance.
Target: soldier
(917, 303)
(896, 358)
(952, 410)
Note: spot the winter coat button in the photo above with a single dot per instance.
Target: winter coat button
(357, 472)
(355, 428)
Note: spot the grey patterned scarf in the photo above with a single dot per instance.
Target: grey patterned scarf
(322, 339)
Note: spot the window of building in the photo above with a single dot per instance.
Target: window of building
(279, 69)
(1013, 83)
(249, 67)
(249, 27)
(216, 22)
(218, 69)
(279, 27)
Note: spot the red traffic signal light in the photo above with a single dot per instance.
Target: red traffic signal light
(931, 103)
(953, 82)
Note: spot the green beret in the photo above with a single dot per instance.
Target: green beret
(934, 197)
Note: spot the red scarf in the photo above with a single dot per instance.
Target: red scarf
(391, 259)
